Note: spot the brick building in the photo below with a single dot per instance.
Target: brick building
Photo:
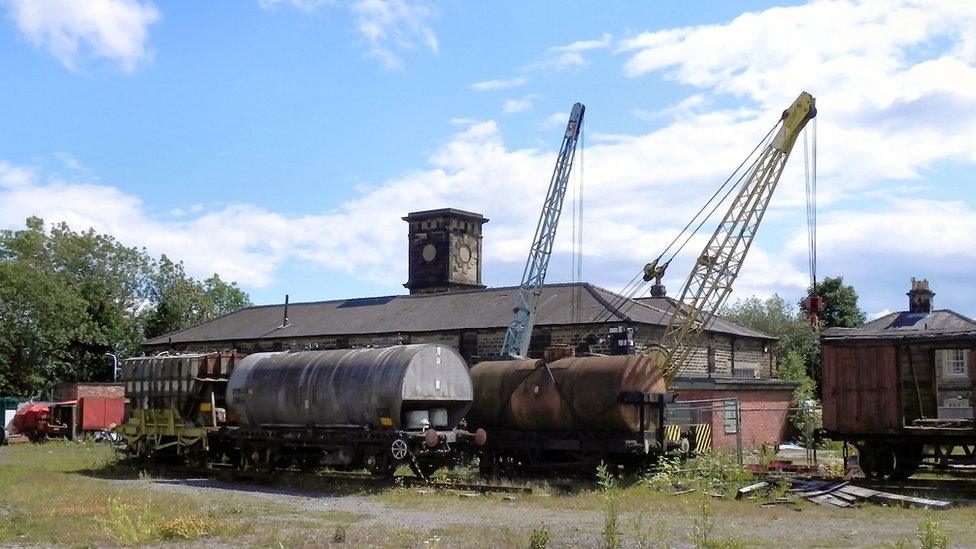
(448, 304)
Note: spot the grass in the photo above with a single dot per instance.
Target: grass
(51, 494)
(72, 494)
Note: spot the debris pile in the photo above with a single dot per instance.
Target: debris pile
(835, 493)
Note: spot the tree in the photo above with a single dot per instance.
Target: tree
(774, 316)
(67, 298)
(840, 304)
(179, 301)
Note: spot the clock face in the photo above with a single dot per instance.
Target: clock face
(429, 252)
(464, 254)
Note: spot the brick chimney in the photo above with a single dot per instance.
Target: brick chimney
(920, 297)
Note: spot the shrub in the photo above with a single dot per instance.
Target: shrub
(339, 534)
(539, 539)
(706, 472)
(930, 533)
(611, 510)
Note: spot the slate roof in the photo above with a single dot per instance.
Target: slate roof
(939, 323)
(459, 310)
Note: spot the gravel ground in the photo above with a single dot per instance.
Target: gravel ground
(578, 519)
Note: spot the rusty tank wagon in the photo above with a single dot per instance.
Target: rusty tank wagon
(571, 413)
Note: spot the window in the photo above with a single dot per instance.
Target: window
(954, 362)
(956, 403)
(731, 422)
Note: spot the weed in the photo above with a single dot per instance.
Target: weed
(662, 533)
(126, 527)
(339, 534)
(186, 527)
(705, 473)
(701, 532)
(930, 533)
(540, 538)
(611, 508)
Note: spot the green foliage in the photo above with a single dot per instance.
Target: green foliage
(182, 302)
(840, 304)
(540, 538)
(705, 473)
(805, 416)
(339, 534)
(930, 533)
(611, 507)
(67, 298)
(701, 535)
(646, 537)
(776, 317)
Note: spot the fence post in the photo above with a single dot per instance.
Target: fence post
(738, 428)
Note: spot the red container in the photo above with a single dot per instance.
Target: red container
(99, 414)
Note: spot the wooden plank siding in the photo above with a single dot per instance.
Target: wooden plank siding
(862, 389)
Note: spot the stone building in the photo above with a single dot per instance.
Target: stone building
(448, 304)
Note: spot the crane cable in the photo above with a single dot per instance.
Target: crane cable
(810, 180)
(577, 229)
(637, 284)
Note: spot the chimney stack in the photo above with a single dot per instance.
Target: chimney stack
(920, 297)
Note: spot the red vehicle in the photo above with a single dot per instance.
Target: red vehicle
(68, 418)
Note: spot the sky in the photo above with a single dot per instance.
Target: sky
(278, 143)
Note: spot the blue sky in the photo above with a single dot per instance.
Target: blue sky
(277, 142)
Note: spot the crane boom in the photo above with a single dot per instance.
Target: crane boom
(710, 281)
(516, 343)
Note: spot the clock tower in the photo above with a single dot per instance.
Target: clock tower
(444, 252)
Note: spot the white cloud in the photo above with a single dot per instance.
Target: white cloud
(489, 85)
(391, 25)
(682, 109)
(585, 45)
(305, 5)
(570, 56)
(513, 106)
(388, 27)
(71, 30)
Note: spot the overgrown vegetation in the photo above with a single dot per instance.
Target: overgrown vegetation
(67, 298)
(702, 532)
(706, 473)
(931, 534)
(611, 509)
(49, 495)
(539, 538)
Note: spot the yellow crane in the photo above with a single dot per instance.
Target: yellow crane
(714, 271)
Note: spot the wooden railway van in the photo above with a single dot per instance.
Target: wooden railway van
(902, 400)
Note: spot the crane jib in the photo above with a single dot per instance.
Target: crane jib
(711, 277)
(519, 332)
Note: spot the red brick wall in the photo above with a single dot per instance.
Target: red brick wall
(74, 391)
(763, 412)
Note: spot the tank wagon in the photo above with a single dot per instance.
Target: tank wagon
(347, 409)
(571, 413)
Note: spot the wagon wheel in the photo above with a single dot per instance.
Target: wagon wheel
(907, 459)
(381, 466)
(399, 449)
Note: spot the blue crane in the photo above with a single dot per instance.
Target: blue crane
(516, 343)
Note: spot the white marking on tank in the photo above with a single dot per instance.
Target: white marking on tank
(437, 384)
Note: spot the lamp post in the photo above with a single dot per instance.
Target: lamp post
(115, 366)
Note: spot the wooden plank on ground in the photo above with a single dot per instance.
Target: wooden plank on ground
(745, 490)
